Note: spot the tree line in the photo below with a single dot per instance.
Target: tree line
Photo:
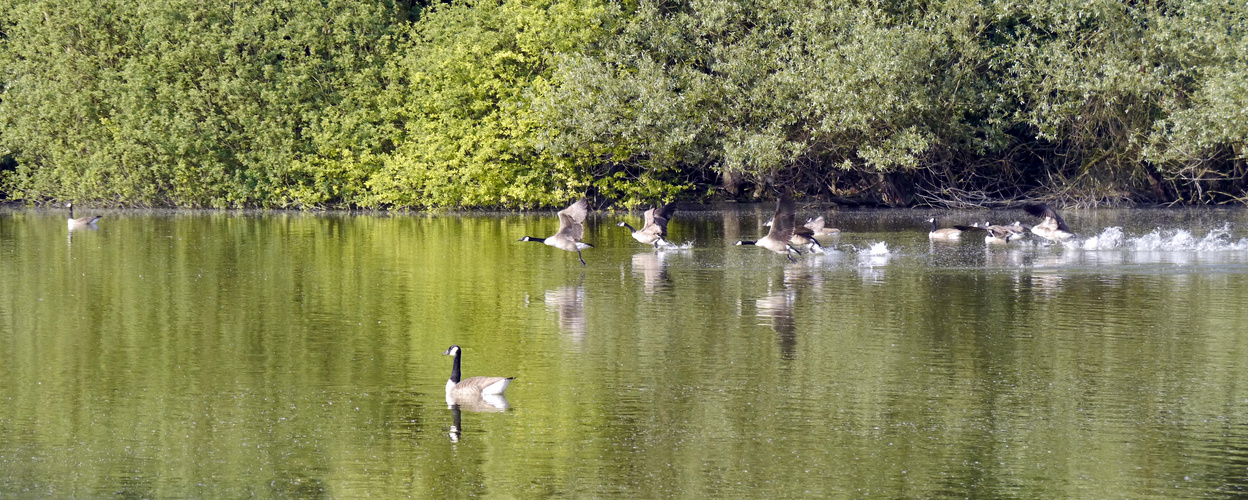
(399, 104)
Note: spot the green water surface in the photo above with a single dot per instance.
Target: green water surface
(205, 354)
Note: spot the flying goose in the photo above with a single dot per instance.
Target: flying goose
(777, 239)
(948, 233)
(571, 230)
(655, 226)
(1052, 228)
(81, 222)
(474, 388)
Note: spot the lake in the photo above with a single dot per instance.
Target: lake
(279, 354)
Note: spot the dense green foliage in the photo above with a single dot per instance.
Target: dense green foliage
(526, 103)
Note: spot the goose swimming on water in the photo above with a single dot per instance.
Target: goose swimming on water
(948, 233)
(782, 229)
(571, 230)
(80, 222)
(474, 388)
(654, 228)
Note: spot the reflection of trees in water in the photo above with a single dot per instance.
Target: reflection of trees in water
(568, 304)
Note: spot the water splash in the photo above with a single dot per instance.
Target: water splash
(877, 248)
(667, 245)
(1165, 240)
(877, 254)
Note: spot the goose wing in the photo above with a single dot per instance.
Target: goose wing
(475, 386)
(782, 225)
(1050, 216)
(571, 220)
(656, 220)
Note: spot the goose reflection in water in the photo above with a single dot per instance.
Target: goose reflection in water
(484, 404)
(778, 307)
(80, 228)
(568, 304)
(653, 269)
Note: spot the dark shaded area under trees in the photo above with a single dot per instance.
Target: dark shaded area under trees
(521, 104)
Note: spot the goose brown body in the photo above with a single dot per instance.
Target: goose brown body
(948, 233)
(997, 234)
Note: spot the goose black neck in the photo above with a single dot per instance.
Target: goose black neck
(743, 242)
(630, 228)
(455, 367)
(528, 238)
(933, 225)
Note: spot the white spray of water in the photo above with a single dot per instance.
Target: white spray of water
(1165, 240)
(875, 255)
(672, 246)
(877, 248)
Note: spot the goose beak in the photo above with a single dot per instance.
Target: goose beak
(448, 352)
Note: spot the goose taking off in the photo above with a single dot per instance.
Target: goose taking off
(782, 227)
(804, 237)
(571, 230)
(1052, 228)
(948, 233)
(474, 388)
(655, 226)
(84, 221)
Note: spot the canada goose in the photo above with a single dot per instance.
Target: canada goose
(777, 239)
(85, 221)
(948, 233)
(1052, 228)
(571, 229)
(996, 234)
(817, 225)
(655, 226)
(804, 236)
(474, 388)
(1018, 229)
